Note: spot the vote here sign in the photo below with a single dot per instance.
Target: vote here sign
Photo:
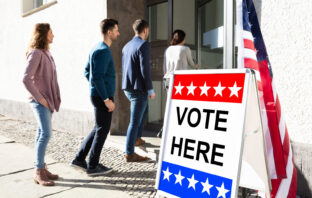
(202, 140)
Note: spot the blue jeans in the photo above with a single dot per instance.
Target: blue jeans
(138, 111)
(43, 117)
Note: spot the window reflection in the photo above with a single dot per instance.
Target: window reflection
(210, 38)
(158, 21)
(184, 19)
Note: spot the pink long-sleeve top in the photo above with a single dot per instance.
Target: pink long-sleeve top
(40, 78)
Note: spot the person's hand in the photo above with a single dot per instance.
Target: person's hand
(44, 103)
(110, 105)
(196, 66)
(152, 96)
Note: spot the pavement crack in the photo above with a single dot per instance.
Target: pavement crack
(48, 195)
(16, 172)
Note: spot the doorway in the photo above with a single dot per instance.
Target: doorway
(203, 22)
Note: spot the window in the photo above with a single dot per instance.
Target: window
(158, 21)
(31, 6)
(210, 34)
(184, 19)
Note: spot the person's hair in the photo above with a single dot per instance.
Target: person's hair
(108, 24)
(39, 39)
(139, 25)
(177, 37)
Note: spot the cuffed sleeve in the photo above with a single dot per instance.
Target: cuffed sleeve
(150, 92)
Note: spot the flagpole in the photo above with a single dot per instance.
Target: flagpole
(228, 55)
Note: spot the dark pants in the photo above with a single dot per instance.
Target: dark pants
(97, 136)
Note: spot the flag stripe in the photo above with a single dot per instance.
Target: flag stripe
(285, 183)
(249, 44)
(251, 63)
(247, 35)
(248, 53)
(293, 189)
(280, 165)
(278, 109)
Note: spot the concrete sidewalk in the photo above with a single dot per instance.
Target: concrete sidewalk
(16, 177)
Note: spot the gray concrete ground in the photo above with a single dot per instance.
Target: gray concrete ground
(17, 161)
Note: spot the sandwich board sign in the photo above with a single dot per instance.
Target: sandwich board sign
(205, 125)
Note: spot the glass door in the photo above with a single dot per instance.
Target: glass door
(208, 25)
(210, 44)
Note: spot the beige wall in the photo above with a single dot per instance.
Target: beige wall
(286, 28)
(75, 33)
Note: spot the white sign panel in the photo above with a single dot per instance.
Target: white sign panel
(203, 133)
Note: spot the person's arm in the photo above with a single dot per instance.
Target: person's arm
(87, 70)
(144, 54)
(33, 61)
(189, 58)
(108, 102)
(100, 65)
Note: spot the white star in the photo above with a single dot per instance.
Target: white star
(179, 89)
(219, 89)
(192, 182)
(191, 89)
(221, 191)
(179, 178)
(167, 174)
(234, 90)
(204, 89)
(206, 186)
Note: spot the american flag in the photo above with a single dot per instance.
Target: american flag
(252, 54)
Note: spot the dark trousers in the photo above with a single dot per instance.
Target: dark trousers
(95, 140)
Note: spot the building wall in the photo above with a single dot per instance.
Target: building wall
(287, 33)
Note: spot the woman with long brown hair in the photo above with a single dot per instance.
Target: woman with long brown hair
(41, 82)
(177, 55)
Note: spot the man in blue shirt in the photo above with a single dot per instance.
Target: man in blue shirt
(100, 73)
(137, 85)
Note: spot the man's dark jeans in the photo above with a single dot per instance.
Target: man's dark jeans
(97, 136)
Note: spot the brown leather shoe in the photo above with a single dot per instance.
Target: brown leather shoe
(136, 158)
(42, 179)
(49, 174)
(139, 142)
